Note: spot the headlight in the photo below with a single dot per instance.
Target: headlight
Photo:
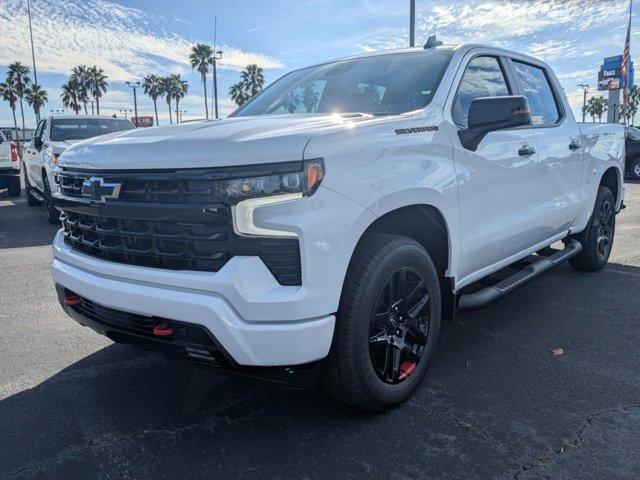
(247, 194)
(55, 158)
(304, 181)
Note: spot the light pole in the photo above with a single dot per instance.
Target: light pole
(125, 110)
(216, 56)
(135, 100)
(57, 112)
(412, 23)
(585, 90)
(182, 113)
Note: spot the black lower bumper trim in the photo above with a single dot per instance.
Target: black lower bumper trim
(189, 342)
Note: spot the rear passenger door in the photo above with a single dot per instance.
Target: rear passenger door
(496, 183)
(559, 149)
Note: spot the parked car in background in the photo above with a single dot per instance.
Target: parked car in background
(52, 136)
(632, 144)
(9, 167)
(335, 233)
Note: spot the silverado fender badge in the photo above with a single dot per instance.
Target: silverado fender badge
(406, 131)
(98, 191)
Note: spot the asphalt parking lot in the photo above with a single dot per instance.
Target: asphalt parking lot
(497, 402)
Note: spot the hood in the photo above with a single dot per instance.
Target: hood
(60, 146)
(232, 141)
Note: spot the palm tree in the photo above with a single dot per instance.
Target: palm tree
(310, 97)
(36, 97)
(152, 86)
(97, 84)
(201, 57)
(179, 90)
(291, 102)
(238, 93)
(253, 78)
(166, 90)
(81, 76)
(8, 94)
(18, 76)
(71, 95)
(596, 106)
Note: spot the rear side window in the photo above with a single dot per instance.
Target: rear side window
(536, 87)
(483, 77)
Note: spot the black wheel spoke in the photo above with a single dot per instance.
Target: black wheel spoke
(416, 309)
(397, 355)
(381, 337)
(411, 355)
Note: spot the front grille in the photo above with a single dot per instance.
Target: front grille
(153, 224)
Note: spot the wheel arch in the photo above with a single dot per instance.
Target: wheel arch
(611, 178)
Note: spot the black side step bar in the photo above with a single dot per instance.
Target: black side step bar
(487, 295)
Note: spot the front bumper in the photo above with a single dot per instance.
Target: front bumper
(248, 343)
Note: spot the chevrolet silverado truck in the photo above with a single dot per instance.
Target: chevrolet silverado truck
(327, 226)
(51, 137)
(9, 167)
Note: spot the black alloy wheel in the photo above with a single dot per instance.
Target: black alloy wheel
(399, 326)
(605, 229)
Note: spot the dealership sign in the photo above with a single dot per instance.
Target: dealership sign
(143, 121)
(610, 74)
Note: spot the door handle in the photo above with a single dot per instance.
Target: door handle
(575, 145)
(526, 151)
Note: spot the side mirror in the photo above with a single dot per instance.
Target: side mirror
(489, 114)
(37, 142)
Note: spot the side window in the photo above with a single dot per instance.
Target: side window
(482, 78)
(538, 90)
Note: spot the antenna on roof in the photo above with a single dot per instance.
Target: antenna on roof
(432, 42)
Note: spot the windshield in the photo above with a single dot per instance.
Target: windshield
(78, 129)
(379, 85)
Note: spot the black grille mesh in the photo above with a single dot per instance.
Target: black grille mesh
(192, 239)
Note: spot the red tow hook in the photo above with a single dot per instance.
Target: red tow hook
(162, 330)
(72, 300)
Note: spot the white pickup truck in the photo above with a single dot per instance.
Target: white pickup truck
(9, 167)
(52, 136)
(329, 225)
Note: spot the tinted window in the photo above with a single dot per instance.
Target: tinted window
(383, 84)
(482, 78)
(536, 87)
(81, 128)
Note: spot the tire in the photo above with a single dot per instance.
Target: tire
(597, 237)
(31, 200)
(13, 186)
(634, 172)
(51, 213)
(357, 371)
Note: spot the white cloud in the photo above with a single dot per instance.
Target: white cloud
(124, 41)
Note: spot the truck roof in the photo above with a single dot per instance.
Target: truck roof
(463, 47)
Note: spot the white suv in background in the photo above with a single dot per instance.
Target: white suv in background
(52, 136)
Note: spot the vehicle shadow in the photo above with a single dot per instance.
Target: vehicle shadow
(496, 396)
(22, 226)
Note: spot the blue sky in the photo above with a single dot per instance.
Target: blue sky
(130, 38)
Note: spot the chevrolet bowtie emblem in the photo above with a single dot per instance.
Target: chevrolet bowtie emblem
(98, 191)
